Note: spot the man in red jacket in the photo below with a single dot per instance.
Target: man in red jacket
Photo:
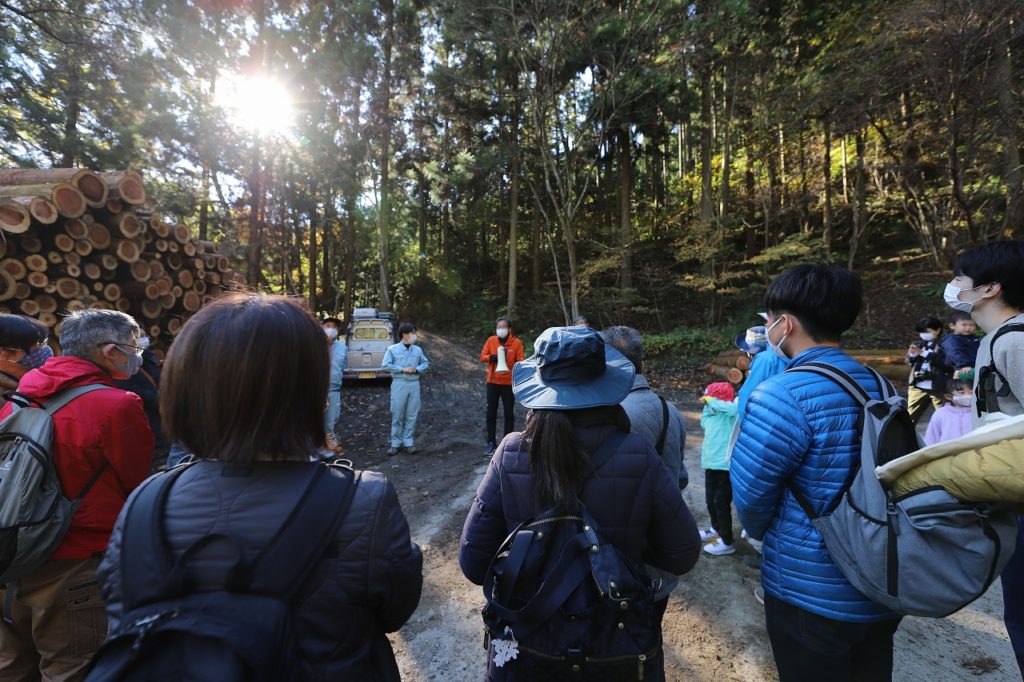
(499, 381)
(57, 614)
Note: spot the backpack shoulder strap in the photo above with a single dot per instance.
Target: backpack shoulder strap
(1005, 329)
(660, 446)
(845, 381)
(290, 556)
(60, 400)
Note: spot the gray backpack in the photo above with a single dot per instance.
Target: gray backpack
(923, 554)
(34, 514)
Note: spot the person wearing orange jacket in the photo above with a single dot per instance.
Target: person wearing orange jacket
(499, 382)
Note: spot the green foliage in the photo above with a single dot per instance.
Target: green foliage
(687, 345)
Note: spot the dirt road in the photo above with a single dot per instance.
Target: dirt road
(714, 628)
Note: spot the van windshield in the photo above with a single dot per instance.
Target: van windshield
(370, 333)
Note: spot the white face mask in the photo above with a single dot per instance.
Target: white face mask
(776, 347)
(502, 333)
(412, 338)
(952, 297)
(332, 333)
(962, 400)
(927, 336)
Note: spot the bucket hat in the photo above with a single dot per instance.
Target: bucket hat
(572, 369)
(752, 341)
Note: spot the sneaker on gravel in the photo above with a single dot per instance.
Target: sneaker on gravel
(756, 544)
(392, 452)
(719, 548)
(759, 595)
(708, 534)
(489, 450)
(412, 449)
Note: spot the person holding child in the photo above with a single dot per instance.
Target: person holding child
(953, 419)
(961, 345)
(718, 420)
(927, 369)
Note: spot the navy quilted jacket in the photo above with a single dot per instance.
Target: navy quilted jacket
(802, 427)
(633, 498)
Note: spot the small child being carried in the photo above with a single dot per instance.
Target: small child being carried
(717, 420)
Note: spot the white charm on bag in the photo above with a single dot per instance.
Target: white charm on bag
(505, 650)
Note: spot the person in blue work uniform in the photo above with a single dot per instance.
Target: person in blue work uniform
(406, 362)
(339, 354)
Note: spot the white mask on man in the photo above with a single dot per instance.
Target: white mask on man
(501, 332)
(332, 332)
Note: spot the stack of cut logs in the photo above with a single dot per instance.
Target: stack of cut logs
(733, 365)
(75, 239)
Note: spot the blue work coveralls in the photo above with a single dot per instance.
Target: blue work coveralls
(339, 354)
(405, 390)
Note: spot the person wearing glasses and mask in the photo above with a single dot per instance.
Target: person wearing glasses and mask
(102, 450)
(19, 339)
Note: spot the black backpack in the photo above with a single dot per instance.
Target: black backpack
(241, 632)
(986, 395)
(562, 603)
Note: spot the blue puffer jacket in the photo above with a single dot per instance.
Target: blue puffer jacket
(801, 427)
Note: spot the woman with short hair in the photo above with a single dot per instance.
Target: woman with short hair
(244, 388)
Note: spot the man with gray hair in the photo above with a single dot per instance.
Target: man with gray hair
(656, 419)
(54, 619)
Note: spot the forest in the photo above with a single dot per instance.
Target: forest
(653, 162)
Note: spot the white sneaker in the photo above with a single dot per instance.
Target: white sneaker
(719, 548)
(756, 544)
(708, 534)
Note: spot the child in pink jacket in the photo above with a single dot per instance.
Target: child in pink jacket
(953, 419)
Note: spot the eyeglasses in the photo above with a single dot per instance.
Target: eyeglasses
(138, 349)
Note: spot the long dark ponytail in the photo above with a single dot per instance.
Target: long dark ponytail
(557, 457)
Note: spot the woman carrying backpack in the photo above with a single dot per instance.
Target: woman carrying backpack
(235, 522)
(577, 448)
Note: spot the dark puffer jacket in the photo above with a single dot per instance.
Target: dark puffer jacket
(367, 584)
(632, 496)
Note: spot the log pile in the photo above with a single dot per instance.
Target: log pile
(733, 365)
(75, 239)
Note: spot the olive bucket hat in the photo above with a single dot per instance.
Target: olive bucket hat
(572, 369)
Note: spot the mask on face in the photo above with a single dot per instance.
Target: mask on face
(412, 338)
(952, 297)
(502, 333)
(133, 362)
(927, 336)
(36, 358)
(331, 332)
(776, 347)
(962, 400)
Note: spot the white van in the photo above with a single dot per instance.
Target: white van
(368, 337)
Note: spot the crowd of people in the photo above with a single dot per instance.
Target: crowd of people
(579, 530)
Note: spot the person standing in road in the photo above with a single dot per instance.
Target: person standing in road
(499, 379)
(339, 354)
(406, 362)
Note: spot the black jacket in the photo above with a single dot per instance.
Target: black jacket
(367, 584)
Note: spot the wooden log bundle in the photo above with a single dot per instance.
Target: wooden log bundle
(733, 365)
(74, 239)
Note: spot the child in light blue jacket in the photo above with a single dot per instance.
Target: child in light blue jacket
(718, 420)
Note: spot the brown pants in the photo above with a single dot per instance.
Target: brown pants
(918, 401)
(59, 623)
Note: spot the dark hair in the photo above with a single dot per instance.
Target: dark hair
(958, 315)
(18, 332)
(1001, 262)
(41, 329)
(955, 385)
(556, 455)
(332, 320)
(406, 328)
(222, 399)
(926, 323)
(627, 341)
(503, 318)
(825, 298)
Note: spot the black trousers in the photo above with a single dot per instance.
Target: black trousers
(808, 647)
(508, 403)
(718, 495)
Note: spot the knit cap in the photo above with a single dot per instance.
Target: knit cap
(721, 390)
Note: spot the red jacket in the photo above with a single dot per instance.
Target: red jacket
(513, 354)
(104, 425)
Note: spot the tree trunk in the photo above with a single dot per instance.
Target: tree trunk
(625, 205)
(204, 204)
(860, 200)
(513, 218)
(384, 217)
(1013, 172)
(314, 221)
(723, 204)
(350, 255)
(846, 172)
(750, 224)
(72, 108)
(424, 192)
(535, 254)
(826, 236)
(707, 212)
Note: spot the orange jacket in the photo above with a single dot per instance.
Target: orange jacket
(513, 354)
